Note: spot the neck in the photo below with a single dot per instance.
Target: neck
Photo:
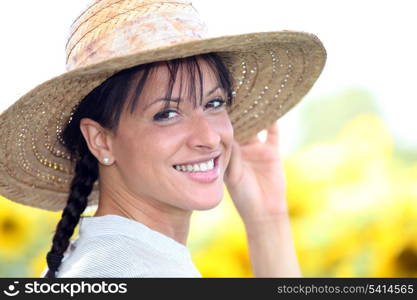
(165, 219)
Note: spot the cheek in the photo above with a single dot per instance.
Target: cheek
(148, 148)
(140, 162)
(227, 131)
(228, 138)
(230, 129)
(130, 156)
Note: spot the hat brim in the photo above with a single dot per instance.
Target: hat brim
(272, 71)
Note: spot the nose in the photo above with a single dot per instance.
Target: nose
(204, 133)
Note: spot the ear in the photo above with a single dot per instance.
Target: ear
(98, 139)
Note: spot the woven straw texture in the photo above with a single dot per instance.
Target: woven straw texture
(271, 71)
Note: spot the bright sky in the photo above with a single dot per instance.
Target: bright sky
(370, 44)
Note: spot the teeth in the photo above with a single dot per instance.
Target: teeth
(201, 167)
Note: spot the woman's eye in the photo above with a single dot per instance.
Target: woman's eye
(164, 115)
(220, 103)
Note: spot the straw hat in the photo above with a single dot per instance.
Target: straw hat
(272, 71)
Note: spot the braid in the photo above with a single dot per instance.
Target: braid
(86, 173)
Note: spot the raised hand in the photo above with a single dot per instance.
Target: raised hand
(255, 178)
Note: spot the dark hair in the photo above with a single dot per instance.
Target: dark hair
(104, 105)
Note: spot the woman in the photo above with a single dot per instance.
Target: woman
(108, 133)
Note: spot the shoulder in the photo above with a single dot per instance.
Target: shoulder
(104, 256)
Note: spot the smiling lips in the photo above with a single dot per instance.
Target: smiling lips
(199, 167)
(205, 172)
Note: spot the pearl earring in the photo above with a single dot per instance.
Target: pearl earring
(106, 161)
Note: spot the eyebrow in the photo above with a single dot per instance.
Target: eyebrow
(176, 100)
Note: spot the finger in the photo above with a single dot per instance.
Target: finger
(273, 134)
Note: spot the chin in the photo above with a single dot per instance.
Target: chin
(204, 201)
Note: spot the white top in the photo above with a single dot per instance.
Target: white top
(114, 246)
